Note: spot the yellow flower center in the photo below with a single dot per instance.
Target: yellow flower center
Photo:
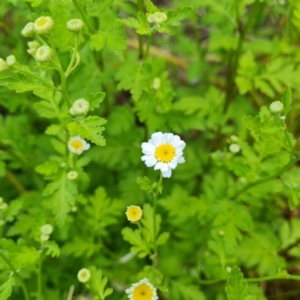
(142, 292)
(134, 213)
(41, 22)
(165, 153)
(77, 145)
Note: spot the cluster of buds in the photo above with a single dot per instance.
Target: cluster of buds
(46, 231)
(157, 18)
(32, 47)
(10, 61)
(234, 147)
(42, 25)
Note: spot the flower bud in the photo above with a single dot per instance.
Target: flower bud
(72, 175)
(276, 107)
(84, 275)
(47, 229)
(44, 237)
(33, 45)
(75, 25)
(80, 107)
(43, 53)
(28, 30)
(156, 83)
(157, 18)
(3, 65)
(11, 60)
(43, 25)
(234, 148)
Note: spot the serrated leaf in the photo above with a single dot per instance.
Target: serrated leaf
(45, 109)
(52, 249)
(53, 129)
(162, 238)
(237, 287)
(6, 288)
(48, 167)
(95, 99)
(150, 7)
(144, 183)
(90, 128)
(287, 99)
(175, 16)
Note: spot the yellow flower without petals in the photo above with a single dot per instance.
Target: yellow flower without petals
(134, 213)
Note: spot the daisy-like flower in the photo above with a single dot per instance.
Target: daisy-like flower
(142, 290)
(84, 275)
(47, 229)
(11, 60)
(163, 151)
(43, 53)
(3, 65)
(80, 107)
(134, 213)
(28, 30)
(75, 25)
(72, 175)
(43, 25)
(77, 145)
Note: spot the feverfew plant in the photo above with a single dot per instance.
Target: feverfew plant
(149, 150)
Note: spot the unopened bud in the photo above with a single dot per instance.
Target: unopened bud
(276, 107)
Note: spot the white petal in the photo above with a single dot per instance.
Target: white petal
(87, 146)
(176, 141)
(172, 164)
(151, 162)
(146, 157)
(181, 160)
(164, 167)
(169, 138)
(158, 166)
(179, 152)
(181, 145)
(167, 174)
(157, 138)
(148, 147)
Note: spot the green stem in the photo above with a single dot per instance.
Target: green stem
(23, 286)
(83, 15)
(39, 277)
(15, 182)
(148, 45)
(140, 5)
(268, 178)
(158, 189)
(75, 51)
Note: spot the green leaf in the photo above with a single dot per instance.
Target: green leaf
(162, 288)
(97, 283)
(6, 288)
(45, 109)
(287, 99)
(237, 287)
(144, 183)
(53, 129)
(89, 128)
(52, 249)
(162, 238)
(48, 167)
(150, 7)
(135, 239)
(62, 194)
(95, 99)
(175, 16)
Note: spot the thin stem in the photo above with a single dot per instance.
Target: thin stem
(15, 182)
(158, 189)
(71, 291)
(83, 15)
(268, 178)
(75, 51)
(39, 277)
(140, 5)
(148, 45)
(23, 286)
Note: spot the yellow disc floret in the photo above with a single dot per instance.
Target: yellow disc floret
(134, 213)
(77, 144)
(142, 292)
(165, 153)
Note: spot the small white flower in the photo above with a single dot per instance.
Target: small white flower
(163, 151)
(157, 18)
(44, 237)
(47, 229)
(11, 60)
(28, 30)
(75, 25)
(276, 107)
(80, 107)
(43, 25)
(156, 83)
(43, 53)
(84, 275)
(72, 175)
(3, 65)
(3, 206)
(142, 290)
(234, 148)
(77, 145)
